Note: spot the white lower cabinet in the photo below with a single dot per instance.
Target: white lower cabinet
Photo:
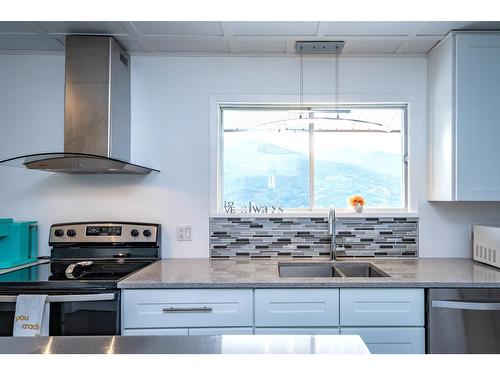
(382, 307)
(156, 332)
(296, 307)
(221, 331)
(189, 331)
(389, 320)
(185, 308)
(390, 340)
(297, 331)
(187, 312)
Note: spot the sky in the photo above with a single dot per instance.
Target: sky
(323, 142)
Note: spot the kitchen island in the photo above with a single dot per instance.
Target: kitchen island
(232, 344)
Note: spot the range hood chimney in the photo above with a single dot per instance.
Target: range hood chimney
(96, 112)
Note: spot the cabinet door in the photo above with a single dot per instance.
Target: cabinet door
(156, 332)
(440, 102)
(175, 308)
(296, 307)
(221, 331)
(297, 331)
(389, 340)
(477, 117)
(381, 307)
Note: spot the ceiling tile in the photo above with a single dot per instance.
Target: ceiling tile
(487, 25)
(442, 28)
(179, 28)
(340, 28)
(257, 47)
(277, 28)
(129, 44)
(439, 28)
(248, 37)
(14, 27)
(161, 44)
(8, 43)
(417, 46)
(84, 27)
(373, 46)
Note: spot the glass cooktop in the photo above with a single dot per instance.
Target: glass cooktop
(40, 272)
(42, 275)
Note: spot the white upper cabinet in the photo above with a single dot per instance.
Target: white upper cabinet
(464, 118)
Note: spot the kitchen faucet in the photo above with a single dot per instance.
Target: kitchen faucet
(333, 233)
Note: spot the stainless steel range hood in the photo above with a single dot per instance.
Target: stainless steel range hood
(96, 112)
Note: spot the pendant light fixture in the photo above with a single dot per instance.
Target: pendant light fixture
(336, 108)
(308, 115)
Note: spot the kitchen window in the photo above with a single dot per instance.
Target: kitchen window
(278, 159)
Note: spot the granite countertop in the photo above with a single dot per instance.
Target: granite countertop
(229, 344)
(263, 273)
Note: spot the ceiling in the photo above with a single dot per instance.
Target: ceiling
(186, 37)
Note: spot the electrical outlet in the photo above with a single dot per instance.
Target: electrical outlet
(184, 233)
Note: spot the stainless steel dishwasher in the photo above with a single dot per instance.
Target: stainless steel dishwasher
(463, 321)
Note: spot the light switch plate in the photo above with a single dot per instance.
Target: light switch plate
(184, 233)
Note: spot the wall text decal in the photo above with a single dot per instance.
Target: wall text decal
(230, 208)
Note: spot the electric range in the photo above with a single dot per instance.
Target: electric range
(87, 260)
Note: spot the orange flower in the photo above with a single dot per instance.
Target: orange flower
(356, 199)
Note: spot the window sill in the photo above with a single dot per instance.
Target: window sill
(324, 213)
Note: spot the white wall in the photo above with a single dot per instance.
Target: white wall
(170, 131)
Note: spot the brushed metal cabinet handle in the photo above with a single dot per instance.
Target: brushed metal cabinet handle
(187, 309)
(459, 305)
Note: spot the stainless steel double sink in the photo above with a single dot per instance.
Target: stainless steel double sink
(332, 269)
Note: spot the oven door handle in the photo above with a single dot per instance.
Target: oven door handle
(69, 298)
(460, 305)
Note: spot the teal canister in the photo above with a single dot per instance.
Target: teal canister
(18, 242)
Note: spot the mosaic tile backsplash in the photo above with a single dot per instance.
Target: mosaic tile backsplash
(259, 237)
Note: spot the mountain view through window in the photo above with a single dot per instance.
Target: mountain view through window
(313, 159)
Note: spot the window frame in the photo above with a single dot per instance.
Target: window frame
(221, 106)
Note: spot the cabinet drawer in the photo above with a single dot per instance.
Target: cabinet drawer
(221, 331)
(382, 307)
(296, 307)
(391, 340)
(187, 308)
(156, 332)
(297, 331)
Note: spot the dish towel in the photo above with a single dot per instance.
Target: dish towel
(32, 315)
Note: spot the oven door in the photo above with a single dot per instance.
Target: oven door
(71, 313)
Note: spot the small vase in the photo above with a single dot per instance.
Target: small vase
(358, 208)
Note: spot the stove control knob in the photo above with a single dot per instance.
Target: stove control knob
(134, 233)
(71, 233)
(59, 233)
(146, 232)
